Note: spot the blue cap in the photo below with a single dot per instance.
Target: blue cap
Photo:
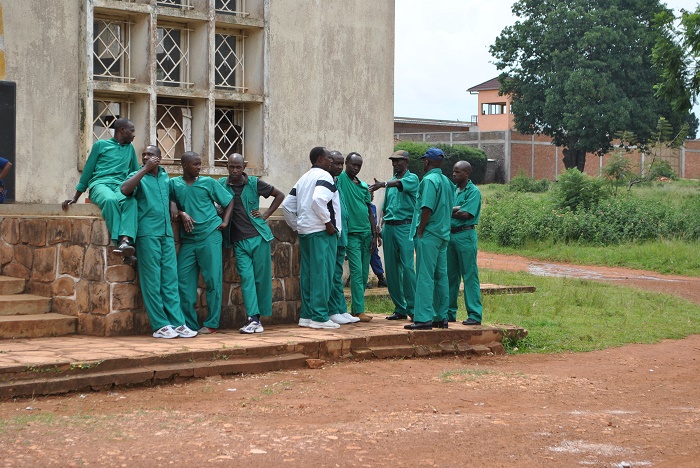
(433, 153)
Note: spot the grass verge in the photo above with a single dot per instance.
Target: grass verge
(572, 315)
(662, 256)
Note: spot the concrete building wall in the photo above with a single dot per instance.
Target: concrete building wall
(316, 74)
(331, 84)
(42, 55)
(494, 122)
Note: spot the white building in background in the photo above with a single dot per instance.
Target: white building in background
(267, 78)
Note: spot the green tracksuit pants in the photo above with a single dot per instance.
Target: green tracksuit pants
(119, 211)
(359, 256)
(432, 288)
(399, 267)
(157, 269)
(316, 274)
(461, 265)
(254, 265)
(204, 256)
(337, 304)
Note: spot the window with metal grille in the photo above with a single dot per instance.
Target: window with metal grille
(104, 113)
(228, 61)
(231, 7)
(111, 59)
(173, 128)
(183, 4)
(228, 132)
(173, 56)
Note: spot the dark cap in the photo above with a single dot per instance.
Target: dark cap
(400, 154)
(433, 153)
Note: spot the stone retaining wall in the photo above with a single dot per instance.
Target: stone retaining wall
(70, 259)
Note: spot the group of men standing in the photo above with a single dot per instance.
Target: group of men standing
(432, 221)
(330, 209)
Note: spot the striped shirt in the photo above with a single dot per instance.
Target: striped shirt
(312, 203)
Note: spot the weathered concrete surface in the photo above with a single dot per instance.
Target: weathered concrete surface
(58, 365)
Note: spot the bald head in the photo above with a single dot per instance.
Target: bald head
(189, 157)
(461, 172)
(236, 158)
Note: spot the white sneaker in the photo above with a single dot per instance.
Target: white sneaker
(185, 332)
(165, 332)
(350, 318)
(339, 319)
(252, 327)
(326, 324)
(304, 322)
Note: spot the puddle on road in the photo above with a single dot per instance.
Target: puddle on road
(561, 271)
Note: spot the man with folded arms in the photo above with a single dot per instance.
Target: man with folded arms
(461, 251)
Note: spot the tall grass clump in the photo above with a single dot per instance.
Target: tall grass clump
(581, 209)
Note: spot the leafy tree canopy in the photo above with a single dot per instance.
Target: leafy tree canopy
(581, 70)
(677, 54)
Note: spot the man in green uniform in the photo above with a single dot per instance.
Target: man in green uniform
(150, 186)
(107, 167)
(362, 238)
(430, 230)
(200, 238)
(397, 213)
(250, 237)
(338, 308)
(461, 251)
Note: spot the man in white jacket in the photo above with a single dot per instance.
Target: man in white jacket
(312, 208)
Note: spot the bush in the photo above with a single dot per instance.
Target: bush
(662, 169)
(576, 189)
(523, 183)
(476, 158)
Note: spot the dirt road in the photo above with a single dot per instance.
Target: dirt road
(633, 406)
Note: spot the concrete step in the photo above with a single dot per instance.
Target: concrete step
(24, 304)
(10, 285)
(48, 383)
(36, 325)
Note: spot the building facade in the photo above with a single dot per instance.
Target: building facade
(268, 79)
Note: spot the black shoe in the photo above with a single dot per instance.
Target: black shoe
(130, 260)
(368, 285)
(452, 320)
(396, 316)
(440, 324)
(419, 326)
(471, 322)
(381, 283)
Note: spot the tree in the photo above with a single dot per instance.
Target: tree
(579, 71)
(677, 54)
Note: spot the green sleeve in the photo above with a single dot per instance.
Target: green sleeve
(89, 168)
(429, 197)
(472, 203)
(409, 184)
(219, 194)
(134, 164)
(136, 189)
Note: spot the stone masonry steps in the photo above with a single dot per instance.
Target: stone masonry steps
(24, 304)
(27, 315)
(36, 325)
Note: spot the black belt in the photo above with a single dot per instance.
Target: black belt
(461, 228)
(397, 223)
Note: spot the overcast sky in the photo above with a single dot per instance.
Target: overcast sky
(442, 49)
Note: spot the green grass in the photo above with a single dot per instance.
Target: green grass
(571, 315)
(663, 256)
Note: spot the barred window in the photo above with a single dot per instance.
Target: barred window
(174, 128)
(228, 132)
(173, 56)
(231, 7)
(111, 50)
(228, 61)
(105, 112)
(183, 4)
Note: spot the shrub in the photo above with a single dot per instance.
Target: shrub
(662, 169)
(523, 183)
(476, 158)
(576, 189)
